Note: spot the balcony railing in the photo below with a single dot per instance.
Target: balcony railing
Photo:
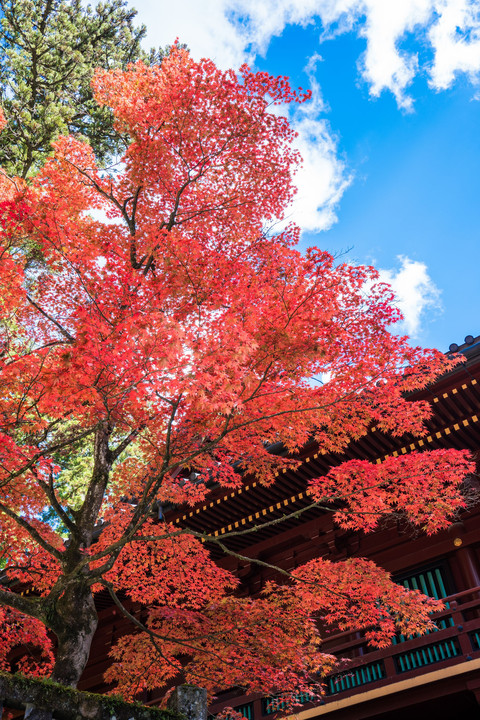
(457, 638)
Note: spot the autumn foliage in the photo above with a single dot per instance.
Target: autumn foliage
(155, 340)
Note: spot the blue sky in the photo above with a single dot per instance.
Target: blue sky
(391, 139)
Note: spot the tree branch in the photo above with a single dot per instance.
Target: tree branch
(114, 454)
(34, 534)
(27, 605)
(64, 332)
(49, 491)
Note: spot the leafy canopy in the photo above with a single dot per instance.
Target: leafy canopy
(166, 333)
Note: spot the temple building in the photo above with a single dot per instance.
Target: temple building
(435, 675)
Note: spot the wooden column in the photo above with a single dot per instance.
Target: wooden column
(467, 561)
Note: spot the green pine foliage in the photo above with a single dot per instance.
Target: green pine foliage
(49, 50)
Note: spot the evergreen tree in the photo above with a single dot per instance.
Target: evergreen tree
(50, 50)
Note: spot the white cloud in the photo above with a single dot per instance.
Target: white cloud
(234, 31)
(415, 291)
(384, 65)
(206, 27)
(323, 178)
(456, 39)
(228, 31)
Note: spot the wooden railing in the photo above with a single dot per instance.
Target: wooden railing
(457, 638)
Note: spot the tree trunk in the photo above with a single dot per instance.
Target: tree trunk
(73, 617)
(74, 638)
(74, 623)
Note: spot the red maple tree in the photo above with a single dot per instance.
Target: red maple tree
(150, 329)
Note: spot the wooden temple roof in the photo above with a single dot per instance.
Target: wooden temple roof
(227, 515)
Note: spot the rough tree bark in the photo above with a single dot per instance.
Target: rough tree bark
(72, 616)
(74, 625)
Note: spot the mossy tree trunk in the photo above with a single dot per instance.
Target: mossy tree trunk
(74, 625)
(69, 611)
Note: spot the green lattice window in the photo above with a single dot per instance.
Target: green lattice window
(271, 704)
(355, 678)
(475, 639)
(245, 710)
(433, 580)
(436, 652)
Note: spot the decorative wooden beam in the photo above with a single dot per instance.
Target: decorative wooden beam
(417, 444)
